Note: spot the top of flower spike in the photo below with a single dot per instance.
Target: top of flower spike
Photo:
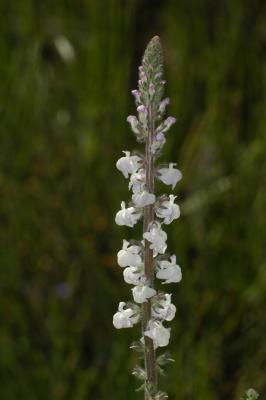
(153, 56)
(151, 84)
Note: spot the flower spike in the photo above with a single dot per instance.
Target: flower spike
(143, 261)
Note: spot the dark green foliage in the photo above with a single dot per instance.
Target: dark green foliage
(66, 72)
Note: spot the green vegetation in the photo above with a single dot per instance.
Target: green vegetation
(66, 72)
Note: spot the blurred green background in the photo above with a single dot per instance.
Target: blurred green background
(66, 71)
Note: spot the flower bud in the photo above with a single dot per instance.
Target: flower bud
(151, 89)
(143, 113)
(163, 105)
(134, 123)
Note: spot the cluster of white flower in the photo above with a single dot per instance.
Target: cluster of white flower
(144, 260)
(130, 257)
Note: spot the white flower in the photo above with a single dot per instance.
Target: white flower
(163, 308)
(158, 333)
(170, 176)
(143, 198)
(127, 216)
(137, 181)
(168, 210)
(129, 256)
(142, 292)
(125, 318)
(169, 271)
(133, 275)
(157, 237)
(128, 164)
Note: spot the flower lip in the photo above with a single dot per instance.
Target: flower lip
(162, 308)
(128, 164)
(129, 255)
(125, 317)
(133, 275)
(127, 216)
(157, 237)
(168, 210)
(169, 175)
(142, 292)
(143, 198)
(158, 333)
(169, 271)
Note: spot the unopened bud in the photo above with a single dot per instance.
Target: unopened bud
(136, 94)
(134, 123)
(151, 89)
(143, 112)
(163, 105)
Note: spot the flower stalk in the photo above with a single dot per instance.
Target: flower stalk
(150, 358)
(146, 259)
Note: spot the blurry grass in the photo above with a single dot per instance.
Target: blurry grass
(66, 75)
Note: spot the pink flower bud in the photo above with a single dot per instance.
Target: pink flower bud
(136, 94)
(151, 89)
(163, 105)
(132, 120)
(143, 112)
(160, 138)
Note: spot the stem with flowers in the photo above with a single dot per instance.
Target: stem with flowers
(148, 218)
(146, 259)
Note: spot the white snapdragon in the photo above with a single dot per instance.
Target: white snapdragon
(163, 308)
(128, 164)
(129, 256)
(125, 318)
(143, 199)
(168, 210)
(142, 292)
(158, 333)
(157, 237)
(133, 275)
(127, 216)
(170, 175)
(169, 271)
